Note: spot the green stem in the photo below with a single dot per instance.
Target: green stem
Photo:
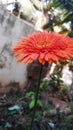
(36, 98)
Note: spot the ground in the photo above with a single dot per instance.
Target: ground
(15, 114)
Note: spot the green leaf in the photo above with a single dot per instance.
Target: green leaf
(46, 83)
(55, 4)
(66, 15)
(29, 94)
(39, 103)
(31, 105)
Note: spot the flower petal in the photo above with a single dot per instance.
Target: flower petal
(44, 46)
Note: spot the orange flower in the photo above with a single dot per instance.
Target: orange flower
(44, 46)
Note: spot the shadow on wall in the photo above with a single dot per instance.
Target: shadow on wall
(33, 73)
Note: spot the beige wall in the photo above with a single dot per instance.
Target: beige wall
(11, 30)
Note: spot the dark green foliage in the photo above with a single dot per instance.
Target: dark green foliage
(31, 95)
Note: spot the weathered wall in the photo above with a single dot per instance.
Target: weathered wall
(11, 30)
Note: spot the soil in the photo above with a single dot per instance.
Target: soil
(15, 113)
